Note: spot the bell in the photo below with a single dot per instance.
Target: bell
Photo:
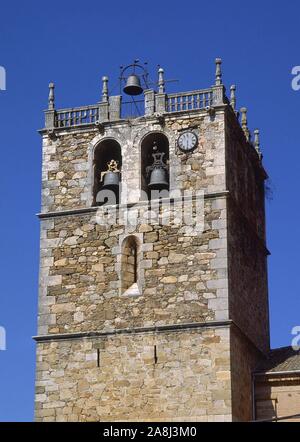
(133, 85)
(158, 179)
(111, 180)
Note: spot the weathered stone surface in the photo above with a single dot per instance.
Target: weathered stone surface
(87, 275)
(88, 281)
(129, 383)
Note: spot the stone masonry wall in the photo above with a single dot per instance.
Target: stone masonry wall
(68, 176)
(182, 278)
(248, 286)
(245, 176)
(277, 396)
(247, 253)
(244, 358)
(189, 381)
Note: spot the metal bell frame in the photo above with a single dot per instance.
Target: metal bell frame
(133, 80)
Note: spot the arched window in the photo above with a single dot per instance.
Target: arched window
(153, 142)
(105, 152)
(129, 266)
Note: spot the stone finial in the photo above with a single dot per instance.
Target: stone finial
(51, 96)
(161, 81)
(104, 89)
(233, 97)
(218, 81)
(257, 143)
(244, 122)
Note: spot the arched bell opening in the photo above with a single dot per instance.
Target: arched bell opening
(107, 172)
(154, 165)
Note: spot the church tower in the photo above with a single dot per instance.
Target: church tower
(153, 301)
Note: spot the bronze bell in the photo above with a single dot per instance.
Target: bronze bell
(111, 177)
(157, 171)
(111, 180)
(158, 179)
(133, 85)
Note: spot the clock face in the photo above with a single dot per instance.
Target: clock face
(187, 141)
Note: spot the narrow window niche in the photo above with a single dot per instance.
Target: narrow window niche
(130, 267)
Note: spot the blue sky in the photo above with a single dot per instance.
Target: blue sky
(73, 44)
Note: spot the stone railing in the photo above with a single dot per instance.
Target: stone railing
(113, 109)
(76, 116)
(189, 100)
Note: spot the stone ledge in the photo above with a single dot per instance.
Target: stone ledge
(159, 328)
(84, 210)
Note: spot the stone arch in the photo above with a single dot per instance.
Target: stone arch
(109, 135)
(102, 151)
(174, 162)
(146, 148)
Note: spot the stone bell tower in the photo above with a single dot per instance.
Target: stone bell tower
(142, 318)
